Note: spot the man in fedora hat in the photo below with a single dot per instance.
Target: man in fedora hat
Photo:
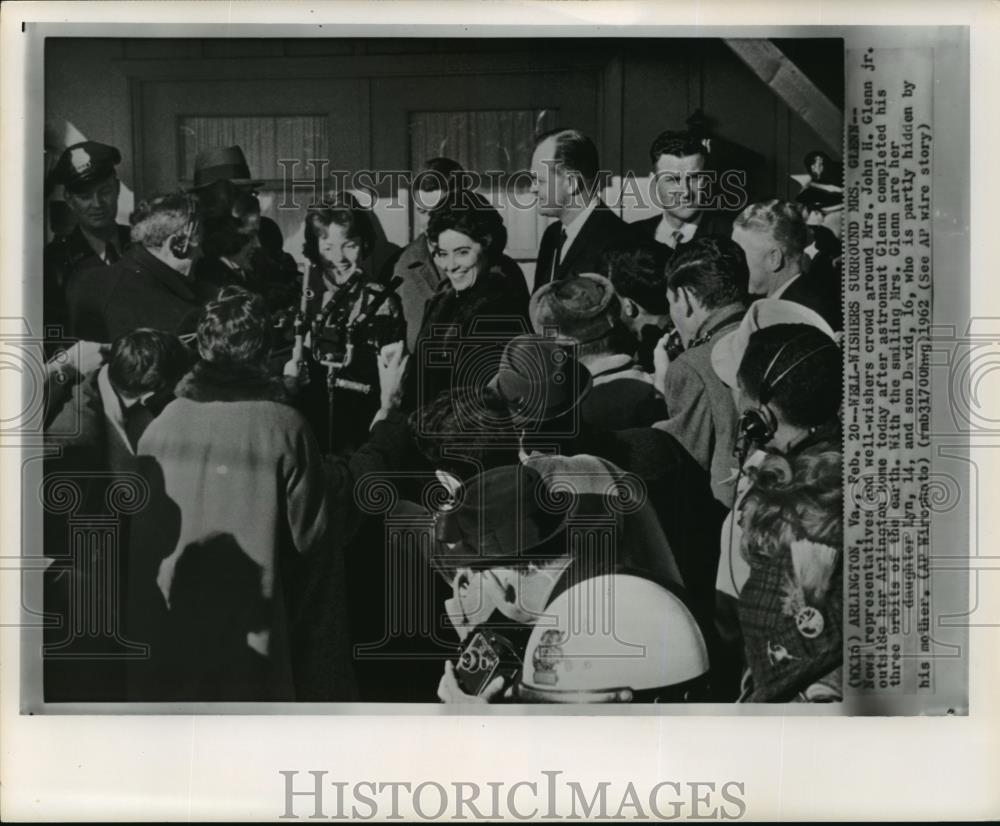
(273, 272)
(86, 171)
(529, 412)
(510, 547)
(222, 163)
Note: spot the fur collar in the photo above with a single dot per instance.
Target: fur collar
(209, 382)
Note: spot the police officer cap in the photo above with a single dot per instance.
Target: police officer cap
(85, 163)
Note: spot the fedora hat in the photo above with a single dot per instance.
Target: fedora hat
(222, 163)
(505, 517)
(539, 379)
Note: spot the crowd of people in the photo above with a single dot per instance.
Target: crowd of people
(405, 475)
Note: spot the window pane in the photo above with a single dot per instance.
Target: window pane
(481, 141)
(264, 140)
(490, 142)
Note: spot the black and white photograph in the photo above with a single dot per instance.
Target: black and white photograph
(476, 376)
(411, 374)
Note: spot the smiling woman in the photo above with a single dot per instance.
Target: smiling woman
(339, 235)
(481, 303)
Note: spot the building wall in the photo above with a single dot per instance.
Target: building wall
(107, 89)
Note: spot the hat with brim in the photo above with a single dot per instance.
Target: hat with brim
(727, 354)
(539, 379)
(505, 517)
(222, 163)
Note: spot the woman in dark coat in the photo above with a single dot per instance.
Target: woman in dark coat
(477, 308)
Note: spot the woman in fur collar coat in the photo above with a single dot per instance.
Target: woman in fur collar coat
(478, 307)
(238, 581)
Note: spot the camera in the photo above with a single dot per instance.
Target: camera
(484, 657)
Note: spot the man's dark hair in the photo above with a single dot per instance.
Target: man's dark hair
(344, 212)
(574, 151)
(638, 272)
(809, 394)
(438, 173)
(472, 422)
(225, 211)
(713, 269)
(235, 329)
(147, 361)
(469, 213)
(677, 143)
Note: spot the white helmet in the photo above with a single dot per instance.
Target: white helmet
(613, 638)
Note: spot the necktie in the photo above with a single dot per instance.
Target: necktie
(677, 236)
(137, 419)
(557, 259)
(110, 253)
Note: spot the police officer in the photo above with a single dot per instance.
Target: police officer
(91, 187)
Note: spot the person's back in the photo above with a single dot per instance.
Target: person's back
(679, 492)
(706, 286)
(95, 434)
(238, 494)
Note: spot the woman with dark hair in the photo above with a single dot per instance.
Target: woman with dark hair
(477, 308)
(353, 318)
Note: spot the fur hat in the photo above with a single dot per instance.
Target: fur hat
(583, 308)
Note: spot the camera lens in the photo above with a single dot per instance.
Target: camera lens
(469, 661)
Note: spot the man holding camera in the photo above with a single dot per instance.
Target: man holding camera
(557, 561)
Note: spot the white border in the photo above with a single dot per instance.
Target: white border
(180, 768)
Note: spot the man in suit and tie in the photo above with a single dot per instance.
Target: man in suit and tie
(681, 191)
(565, 172)
(774, 237)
